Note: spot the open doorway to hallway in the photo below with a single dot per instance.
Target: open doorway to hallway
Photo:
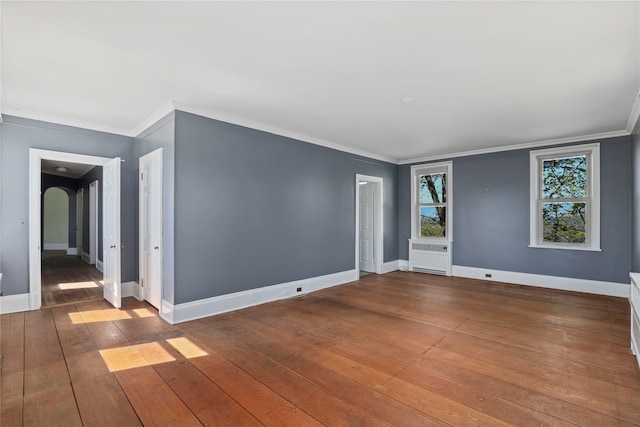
(71, 265)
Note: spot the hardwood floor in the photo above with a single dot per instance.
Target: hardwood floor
(402, 349)
(68, 279)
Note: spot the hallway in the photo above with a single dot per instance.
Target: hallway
(68, 279)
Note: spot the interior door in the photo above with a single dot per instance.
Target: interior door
(366, 231)
(111, 231)
(151, 226)
(79, 213)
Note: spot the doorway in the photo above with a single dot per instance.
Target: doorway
(65, 277)
(111, 280)
(369, 228)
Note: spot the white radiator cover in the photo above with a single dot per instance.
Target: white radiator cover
(430, 257)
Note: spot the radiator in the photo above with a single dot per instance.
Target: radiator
(433, 258)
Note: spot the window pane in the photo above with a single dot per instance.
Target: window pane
(433, 188)
(563, 222)
(564, 178)
(433, 221)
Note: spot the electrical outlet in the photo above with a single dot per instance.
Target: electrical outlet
(487, 274)
(298, 289)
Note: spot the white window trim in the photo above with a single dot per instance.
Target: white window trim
(593, 220)
(435, 167)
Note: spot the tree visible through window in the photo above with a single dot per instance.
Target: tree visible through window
(432, 205)
(564, 199)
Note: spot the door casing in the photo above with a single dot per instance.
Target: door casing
(93, 222)
(79, 221)
(378, 229)
(35, 187)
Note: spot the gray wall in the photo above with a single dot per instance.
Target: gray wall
(70, 186)
(255, 209)
(160, 135)
(17, 136)
(491, 216)
(95, 174)
(635, 264)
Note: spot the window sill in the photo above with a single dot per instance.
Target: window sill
(567, 248)
(430, 240)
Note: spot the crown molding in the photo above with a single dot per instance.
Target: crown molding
(522, 146)
(152, 119)
(171, 106)
(71, 123)
(634, 117)
(215, 115)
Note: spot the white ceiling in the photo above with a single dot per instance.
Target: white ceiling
(74, 170)
(482, 74)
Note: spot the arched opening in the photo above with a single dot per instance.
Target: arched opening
(55, 220)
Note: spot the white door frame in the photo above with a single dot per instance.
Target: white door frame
(79, 221)
(378, 220)
(35, 188)
(93, 222)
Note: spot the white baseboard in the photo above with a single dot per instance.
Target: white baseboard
(99, 266)
(14, 303)
(403, 265)
(85, 257)
(542, 281)
(131, 289)
(390, 266)
(55, 246)
(230, 302)
(72, 251)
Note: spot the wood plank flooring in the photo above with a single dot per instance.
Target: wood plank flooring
(68, 279)
(401, 349)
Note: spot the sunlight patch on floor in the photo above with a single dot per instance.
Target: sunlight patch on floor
(186, 347)
(135, 356)
(77, 285)
(143, 312)
(93, 316)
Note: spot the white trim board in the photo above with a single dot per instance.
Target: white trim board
(522, 146)
(131, 289)
(14, 303)
(634, 116)
(55, 246)
(224, 303)
(542, 281)
(72, 251)
(171, 106)
(390, 266)
(99, 266)
(403, 265)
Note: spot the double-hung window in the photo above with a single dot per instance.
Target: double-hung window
(431, 202)
(565, 197)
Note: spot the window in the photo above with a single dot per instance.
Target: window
(565, 199)
(431, 201)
